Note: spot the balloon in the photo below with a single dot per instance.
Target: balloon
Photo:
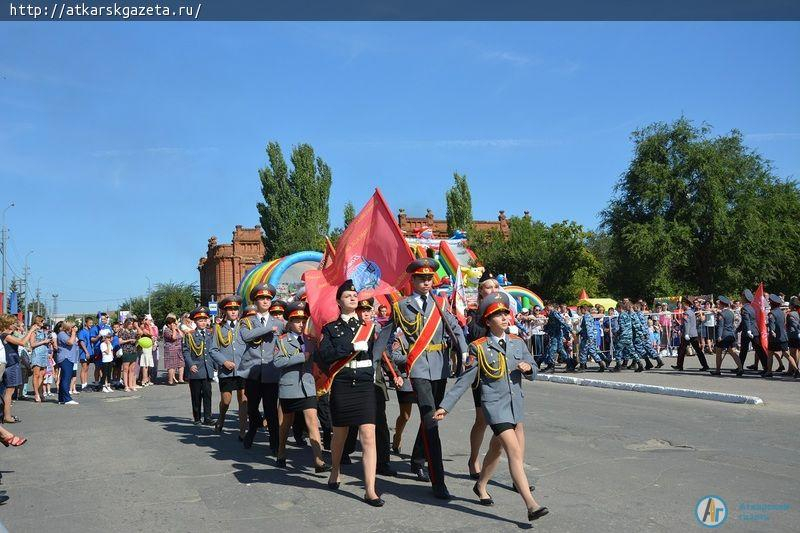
(146, 342)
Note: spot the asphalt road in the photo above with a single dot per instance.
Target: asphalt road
(602, 460)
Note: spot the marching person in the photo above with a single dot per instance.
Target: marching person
(793, 333)
(196, 347)
(296, 390)
(689, 336)
(726, 337)
(778, 340)
(498, 364)
(556, 328)
(428, 330)
(406, 397)
(277, 309)
(227, 349)
(751, 333)
(249, 310)
(588, 336)
(349, 350)
(642, 343)
(259, 333)
(487, 284)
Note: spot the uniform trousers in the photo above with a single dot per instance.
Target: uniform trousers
(746, 342)
(696, 345)
(427, 444)
(200, 389)
(265, 394)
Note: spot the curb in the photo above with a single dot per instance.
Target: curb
(652, 389)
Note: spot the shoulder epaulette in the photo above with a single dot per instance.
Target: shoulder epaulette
(480, 341)
(512, 336)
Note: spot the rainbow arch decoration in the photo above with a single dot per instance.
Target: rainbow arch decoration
(276, 270)
(525, 297)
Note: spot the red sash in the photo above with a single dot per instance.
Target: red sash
(423, 339)
(324, 380)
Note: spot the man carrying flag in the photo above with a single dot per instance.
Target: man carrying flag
(427, 327)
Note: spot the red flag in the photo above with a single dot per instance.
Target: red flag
(372, 252)
(327, 257)
(761, 316)
(583, 295)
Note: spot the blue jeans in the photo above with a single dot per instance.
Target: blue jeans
(63, 383)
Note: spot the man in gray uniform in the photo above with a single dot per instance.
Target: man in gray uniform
(431, 368)
(196, 346)
(227, 350)
(260, 333)
(689, 336)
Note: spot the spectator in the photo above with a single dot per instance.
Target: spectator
(106, 359)
(39, 345)
(146, 348)
(127, 341)
(173, 355)
(12, 378)
(86, 349)
(66, 359)
(150, 325)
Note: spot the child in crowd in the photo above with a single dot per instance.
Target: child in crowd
(49, 375)
(107, 354)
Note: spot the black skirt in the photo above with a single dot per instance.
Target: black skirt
(726, 343)
(297, 405)
(352, 404)
(231, 384)
(406, 396)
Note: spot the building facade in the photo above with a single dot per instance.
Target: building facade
(226, 264)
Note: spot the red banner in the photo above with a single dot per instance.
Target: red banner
(372, 252)
(761, 316)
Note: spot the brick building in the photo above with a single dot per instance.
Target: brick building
(410, 224)
(225, 264)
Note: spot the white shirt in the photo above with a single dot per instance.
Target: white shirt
(418, 299)
(498, 339)
(108, 351)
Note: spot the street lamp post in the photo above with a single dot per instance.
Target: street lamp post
(25, 277)
(3, 228)
(149, 311)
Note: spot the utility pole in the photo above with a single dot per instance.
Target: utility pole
(55, 304)
(3, 240)
(38, 297)
(25, 274)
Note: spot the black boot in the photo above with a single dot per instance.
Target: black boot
(660, 362)
(617, 367)
(602, 366)
(639, 367)
(647, 364)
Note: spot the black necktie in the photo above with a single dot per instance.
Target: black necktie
(232, 324)
(424, 302)
(263, 321)
(502, 344)
(202, 333)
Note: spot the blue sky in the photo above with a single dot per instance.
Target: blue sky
(126, 145)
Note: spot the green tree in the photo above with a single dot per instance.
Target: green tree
(700, 214)
(554, 261)
(294, 213)
(171, 297)
(349, 213)
(459, 205)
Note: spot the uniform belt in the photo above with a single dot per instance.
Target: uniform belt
(359, 364)
(435, 348)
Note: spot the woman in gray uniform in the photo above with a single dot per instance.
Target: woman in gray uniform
(296, 389)
(726, 337)
(497, 364)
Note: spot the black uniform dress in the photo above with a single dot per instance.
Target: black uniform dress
(352, 396)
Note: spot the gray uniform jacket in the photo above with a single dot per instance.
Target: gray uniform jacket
(232, 352)
(726, 328)
(258, 361)
(793, 325)
(399, 357)
(777, 325)
(296, 379)
(749, 320)
(689, 326)
(205, 368)
(501, 399)
(431, 364)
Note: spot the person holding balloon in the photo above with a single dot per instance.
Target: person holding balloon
(145, 343)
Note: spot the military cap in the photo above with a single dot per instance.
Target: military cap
(295, 310)
(348, 285)
(250, 310)
(775, 299)
(198, 313)
(277, 306)
(262, 289)
(748, 295)
(724, 300)
(486, 276)
(425, 266)
(366, 303)
(494, 303)
(231, 302)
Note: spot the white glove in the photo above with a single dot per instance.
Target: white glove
(464, 357)
(750, 334)
(686, 337)
(514, 330)
(360, 346)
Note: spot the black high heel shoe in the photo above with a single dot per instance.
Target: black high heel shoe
(324, 467)
(377, 502)
(280, 462)
(514, 487)
(537, 514)
(483, 501)
(333, 485)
